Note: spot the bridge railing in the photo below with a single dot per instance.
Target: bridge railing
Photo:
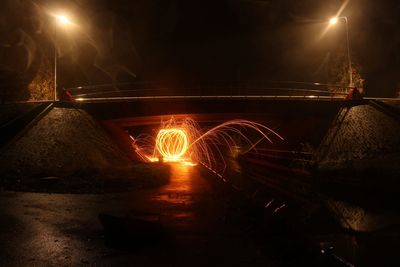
(206, 89)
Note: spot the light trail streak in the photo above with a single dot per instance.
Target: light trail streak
(172, 143)
(184, 141)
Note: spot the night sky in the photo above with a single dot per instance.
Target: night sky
(177, 41)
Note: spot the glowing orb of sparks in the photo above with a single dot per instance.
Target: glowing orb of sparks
(172, 143)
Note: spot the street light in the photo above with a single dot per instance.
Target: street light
(64, 21)
(334, 21)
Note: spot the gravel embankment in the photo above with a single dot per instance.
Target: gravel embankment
(360, 159)
(69, 145)
(362, 138)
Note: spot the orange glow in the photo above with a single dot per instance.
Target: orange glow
(63, 19)
(333, 21)
(185, 142)
(172, 144)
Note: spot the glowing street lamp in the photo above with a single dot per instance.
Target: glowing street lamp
(63, 21)
(333, 21)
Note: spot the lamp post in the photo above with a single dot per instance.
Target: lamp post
(62, 20)
(334, 21)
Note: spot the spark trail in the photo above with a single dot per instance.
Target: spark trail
(184, 141)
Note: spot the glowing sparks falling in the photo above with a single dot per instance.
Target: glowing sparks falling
(184, 141)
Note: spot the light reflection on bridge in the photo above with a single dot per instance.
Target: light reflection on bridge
(212, 97)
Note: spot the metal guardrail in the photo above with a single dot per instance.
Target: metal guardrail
(166, 97)
(205, 91)
(388, 109)
(211, 97)
(216, 88)
(19, 126)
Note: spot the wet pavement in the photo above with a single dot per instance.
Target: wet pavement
(64, 230)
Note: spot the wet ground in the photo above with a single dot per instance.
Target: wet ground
(196, 228)
(191, 221)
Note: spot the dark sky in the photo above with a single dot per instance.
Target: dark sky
(175, 41)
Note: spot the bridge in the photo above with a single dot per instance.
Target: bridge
(125, 101)
(291, 180)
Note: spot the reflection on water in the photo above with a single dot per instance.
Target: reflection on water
(179, 190)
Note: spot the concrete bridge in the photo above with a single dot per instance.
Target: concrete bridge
(119, 107)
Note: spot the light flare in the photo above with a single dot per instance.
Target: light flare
(62, 19)
(333, 21)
